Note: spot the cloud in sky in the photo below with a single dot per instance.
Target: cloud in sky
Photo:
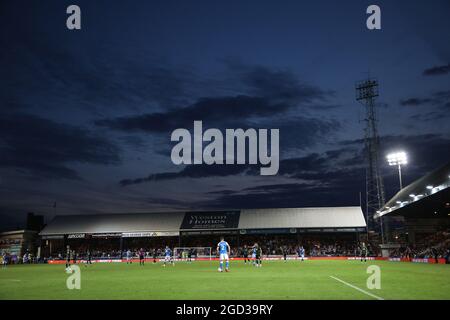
(213, 111)
(439, 98)
(45, 149)
(437, 70)
(302, 168)
(265, 93)
(435, 106)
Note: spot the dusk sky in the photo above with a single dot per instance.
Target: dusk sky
(86, 115)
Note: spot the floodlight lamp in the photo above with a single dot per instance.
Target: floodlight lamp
(397, 158)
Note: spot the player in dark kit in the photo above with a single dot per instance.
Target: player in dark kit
(363, 252)
(190, 251)
(141, 257)
(258, 253)
(155, 255)
(245, 254)
(68, 257)
(284, 250)
(88, 257)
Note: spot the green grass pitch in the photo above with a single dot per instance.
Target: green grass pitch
(201, 280)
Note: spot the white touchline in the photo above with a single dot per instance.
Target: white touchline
(12, 280)
(359, 289)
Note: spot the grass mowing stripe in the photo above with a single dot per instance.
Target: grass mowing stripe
(356, 288)
(290, 280)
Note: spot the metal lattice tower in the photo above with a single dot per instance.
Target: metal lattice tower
(366, 92)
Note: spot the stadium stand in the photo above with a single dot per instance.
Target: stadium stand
(424, 209)
(322, 231)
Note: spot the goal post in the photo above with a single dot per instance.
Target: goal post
(181, 253)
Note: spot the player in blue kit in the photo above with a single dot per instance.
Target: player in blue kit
(5, 259)
(168, 256)
(224, 251)
(257, 252)
(129, 256)
(254, 253)
(301, 253)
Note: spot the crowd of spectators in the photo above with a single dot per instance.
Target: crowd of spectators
(315, 246)
(433, 246)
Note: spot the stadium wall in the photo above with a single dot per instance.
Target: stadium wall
(269, 258)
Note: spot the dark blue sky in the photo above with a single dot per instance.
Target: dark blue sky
(86, 116)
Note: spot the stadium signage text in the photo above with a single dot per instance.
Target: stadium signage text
(76, 236)
(214, 151)
(150, 234)
(106, 235)
(205, 220)
(210, 232)
(52, 237)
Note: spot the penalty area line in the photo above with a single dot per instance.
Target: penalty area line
(356, 288)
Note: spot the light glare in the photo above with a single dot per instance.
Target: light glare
(397, 158)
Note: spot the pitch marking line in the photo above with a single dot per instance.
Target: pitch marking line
(356, 288)
(12, 280)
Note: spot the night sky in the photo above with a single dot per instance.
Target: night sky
(86, 116)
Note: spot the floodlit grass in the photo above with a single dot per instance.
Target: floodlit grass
(201, 280)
